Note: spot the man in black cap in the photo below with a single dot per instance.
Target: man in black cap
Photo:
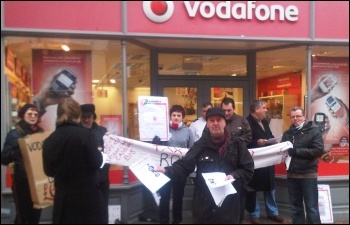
(88, 118)
(218, 150)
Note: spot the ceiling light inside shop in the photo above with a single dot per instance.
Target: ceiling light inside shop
(95, 81)
(65, 48)
(113, 81)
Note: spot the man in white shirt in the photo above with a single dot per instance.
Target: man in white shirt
(199, 124)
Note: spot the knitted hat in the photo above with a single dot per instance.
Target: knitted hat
(88, 110)
(24, 109)
(215, 111)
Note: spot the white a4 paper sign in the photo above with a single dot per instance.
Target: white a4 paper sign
(218, 186)
(144, 171)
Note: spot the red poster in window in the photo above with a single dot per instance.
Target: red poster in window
(59, 71)
(113, 123)
(330, 111)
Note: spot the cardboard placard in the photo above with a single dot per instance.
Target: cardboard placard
(41, 186)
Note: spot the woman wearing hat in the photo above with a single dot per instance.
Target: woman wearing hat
(11, 154)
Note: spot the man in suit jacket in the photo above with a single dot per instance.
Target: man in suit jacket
(264, 178)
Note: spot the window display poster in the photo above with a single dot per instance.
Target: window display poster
(113, 123)
(58, 74)
(330, 111)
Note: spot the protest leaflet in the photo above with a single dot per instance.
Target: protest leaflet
(218, 186)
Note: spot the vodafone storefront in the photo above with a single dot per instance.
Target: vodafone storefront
(190, 52)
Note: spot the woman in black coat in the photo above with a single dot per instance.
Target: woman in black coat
(11, 154)
(70, 155)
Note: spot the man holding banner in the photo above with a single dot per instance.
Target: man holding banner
(217, 150)
(303, 169)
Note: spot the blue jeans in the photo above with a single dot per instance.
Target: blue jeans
(304, 191)
(270, 205)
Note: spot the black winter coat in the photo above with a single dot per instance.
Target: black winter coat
(309, 146)
(70, 155)
(204, 154)
(264, 178)
(99, 132)
(11, 151)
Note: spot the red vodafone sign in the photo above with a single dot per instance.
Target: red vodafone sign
(224, 18)
(214, 19)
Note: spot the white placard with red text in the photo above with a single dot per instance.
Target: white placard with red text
(153, 118)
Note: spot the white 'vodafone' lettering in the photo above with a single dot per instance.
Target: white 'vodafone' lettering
(242, 11)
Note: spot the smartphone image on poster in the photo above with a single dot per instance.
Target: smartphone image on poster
(320, 120)
(335, 106)
(64, 79)
(328, 83)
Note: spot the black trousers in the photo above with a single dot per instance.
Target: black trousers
(177, 187)
(25, 213)
(104, 187)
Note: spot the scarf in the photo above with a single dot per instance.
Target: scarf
(25, 128)
(223, 143)
(294, 129)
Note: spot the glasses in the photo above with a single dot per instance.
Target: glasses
(31, 114)
(296, 117)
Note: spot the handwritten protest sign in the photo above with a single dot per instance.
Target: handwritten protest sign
(125, 152)
(41, 186)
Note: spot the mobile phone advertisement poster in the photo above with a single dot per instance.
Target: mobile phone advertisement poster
(58, 74)
(330, 110)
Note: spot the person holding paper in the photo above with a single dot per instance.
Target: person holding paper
(71, 157)
(180, 136)
(11, 155)
(218, 150)
(240, 126)
(303, 169)
(264, 178)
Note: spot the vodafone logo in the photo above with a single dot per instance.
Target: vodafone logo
(158, 11)
(161, 11)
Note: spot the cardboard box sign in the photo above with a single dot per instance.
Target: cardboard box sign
(41, 186)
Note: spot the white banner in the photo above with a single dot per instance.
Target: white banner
(125, 152)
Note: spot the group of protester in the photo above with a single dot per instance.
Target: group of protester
(217, 142)
(222, 138)
(72, 156)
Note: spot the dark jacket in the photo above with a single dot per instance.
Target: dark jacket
(99, 132)
(70, 155)
(11, 151)
(264, 178)
(240, 126)
(308, 144)
(204, 154)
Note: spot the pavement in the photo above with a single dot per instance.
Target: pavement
(187, 219)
